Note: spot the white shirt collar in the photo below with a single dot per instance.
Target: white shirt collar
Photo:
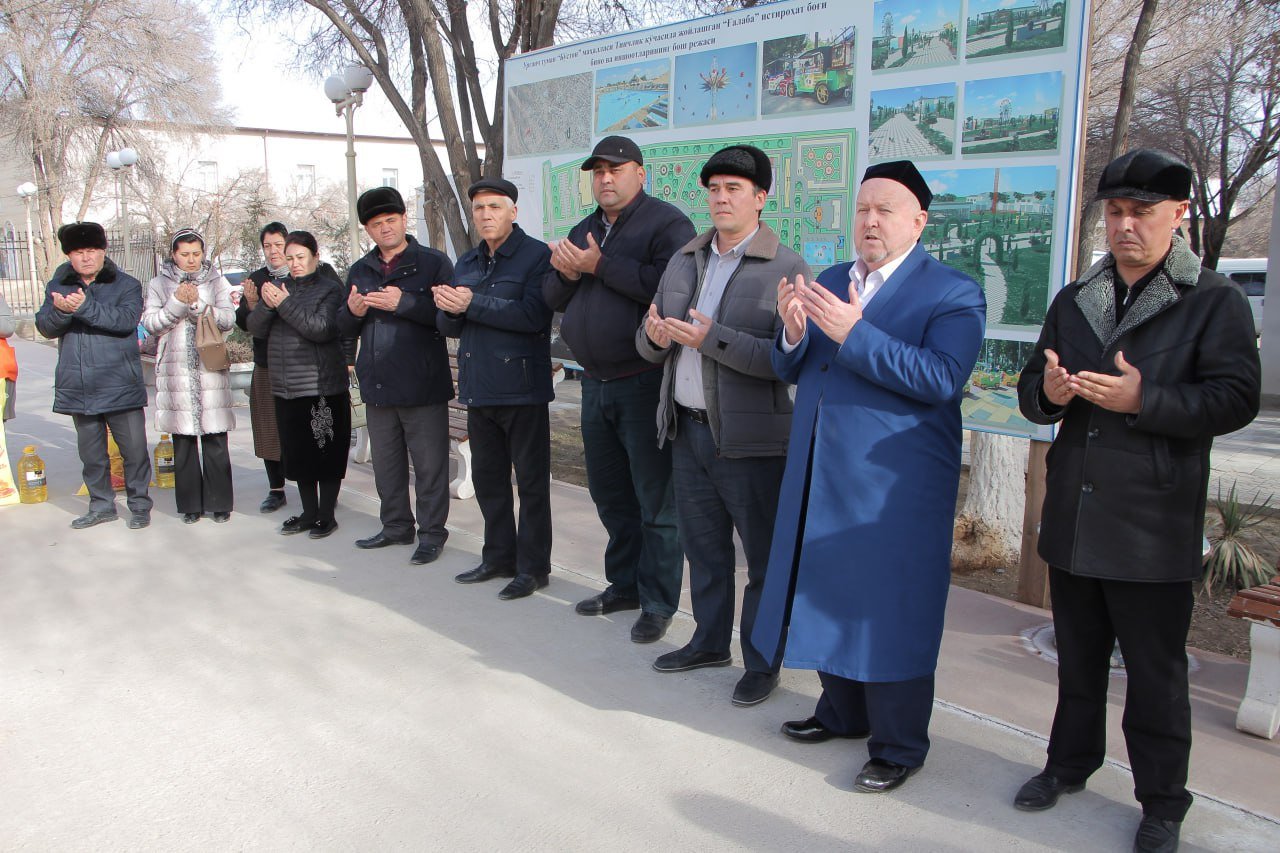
(873, 281)
(736, 251)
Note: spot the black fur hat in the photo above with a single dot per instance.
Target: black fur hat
(82, 235)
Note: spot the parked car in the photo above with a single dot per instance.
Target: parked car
(1251, 275)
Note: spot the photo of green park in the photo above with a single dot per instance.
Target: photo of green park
(997, 226)
(917, 122)
(1009, 114)
(996, 28)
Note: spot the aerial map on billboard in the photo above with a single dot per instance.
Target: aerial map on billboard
(982, 94)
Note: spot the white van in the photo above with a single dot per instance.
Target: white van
(1251, 275)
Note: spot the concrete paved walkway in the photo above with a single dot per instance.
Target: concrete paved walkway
(220, 687)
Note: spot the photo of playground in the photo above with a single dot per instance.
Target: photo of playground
(549, 116)
(997, 226)
(991, 394)
(1008, 114)
(913, 35)
(994, 28)
(633, 97)
(915, 123)
(716, 85)
(808, 73)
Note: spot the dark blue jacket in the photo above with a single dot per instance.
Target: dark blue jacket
(603, 311)
(403, 360)
(504, 357)
(99, 367)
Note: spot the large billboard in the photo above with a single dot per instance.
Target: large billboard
(984, 95)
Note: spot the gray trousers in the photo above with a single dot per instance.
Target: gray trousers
(396, 434)
(130, 430)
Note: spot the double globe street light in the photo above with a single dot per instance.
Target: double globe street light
(119, 161)
(346, 90)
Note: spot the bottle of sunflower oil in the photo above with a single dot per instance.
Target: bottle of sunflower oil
(163, 458)
(32, 486)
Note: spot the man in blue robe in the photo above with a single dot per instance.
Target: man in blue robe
(856, 588)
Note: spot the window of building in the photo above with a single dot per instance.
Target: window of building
(207, 176)
(304, 179)
(391, 178)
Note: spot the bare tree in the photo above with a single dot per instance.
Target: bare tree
(73, 73)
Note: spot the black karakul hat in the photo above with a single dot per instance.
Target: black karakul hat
(1145, 174)
(82, 235)
(378, 201)
(905, 173)
(614, 149)
(494, 185)
(743, 161)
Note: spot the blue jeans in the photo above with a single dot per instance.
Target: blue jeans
(629, 478)
(714, 496)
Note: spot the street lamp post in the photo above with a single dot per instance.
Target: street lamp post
(28, 193)
(346, 90)
(119, 161)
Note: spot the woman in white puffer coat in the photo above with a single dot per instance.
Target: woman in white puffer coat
(193, 403)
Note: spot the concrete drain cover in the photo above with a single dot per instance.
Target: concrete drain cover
(1041, 642)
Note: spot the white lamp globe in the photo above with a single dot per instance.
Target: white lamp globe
(114, 161)
(335, 88)
(128, 156)
(358, 78)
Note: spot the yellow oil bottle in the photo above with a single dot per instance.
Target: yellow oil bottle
(32, 487)
(117, 462)
(163, 458)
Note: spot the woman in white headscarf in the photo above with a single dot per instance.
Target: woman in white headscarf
(193, 403)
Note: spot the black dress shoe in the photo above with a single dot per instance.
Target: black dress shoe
(425, 553)
(89, 519)
(1041, 792)
(812, 730)
(273, 501)
(296, 524)
(878, 776)
(484, 572)
(221, 517)
(523, 585)
(382, 540)
(753, 688)
(323, 528)
(687, 658)
(190, 517)
(1156, 835)
(649, 628)
(139, 520)
(607, 602)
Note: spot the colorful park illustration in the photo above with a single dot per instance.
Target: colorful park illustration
(997, 226)
(633, 97)
(914, 34)
(991, 395)
(997, 28)
(805, 73)
(1008, 114)
(716, 86)
(915, 123)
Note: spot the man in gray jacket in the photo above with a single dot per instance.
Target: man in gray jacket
(92, 308)
(712, 324)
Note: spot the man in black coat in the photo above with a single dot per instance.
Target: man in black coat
(1141, 362)
(403, 368)
(92, 308)
(495, 306)
(606, 273)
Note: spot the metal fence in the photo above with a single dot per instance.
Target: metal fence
(25, 292)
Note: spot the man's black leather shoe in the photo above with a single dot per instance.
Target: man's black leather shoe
(139, 520)
(484, 572)
(753, 688)
(687, 658)
(606, 602)
(649, 628)
(523, 585)
(1041, 792)
(321, 529)
(878, 776)
(190, 517)
(812, 730)
(273, 501)
(89, 519)
(221, 517)
(382, 540)
(1156, 835)
(296, 524)
(425, 553)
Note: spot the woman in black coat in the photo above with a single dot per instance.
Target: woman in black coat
(298, 319)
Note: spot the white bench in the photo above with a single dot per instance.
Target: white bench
(1259, 712)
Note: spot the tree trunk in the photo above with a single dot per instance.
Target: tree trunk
(988, 530)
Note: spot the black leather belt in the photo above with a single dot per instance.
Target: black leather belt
(698, 416)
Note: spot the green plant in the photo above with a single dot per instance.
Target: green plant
(1232, 562)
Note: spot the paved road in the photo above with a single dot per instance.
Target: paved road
(899, 139)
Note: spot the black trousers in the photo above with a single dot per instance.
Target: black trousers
(502, 437)
(895, 712)
(397, 433)
(1150, 620)
(198, 486)
(130, 430)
